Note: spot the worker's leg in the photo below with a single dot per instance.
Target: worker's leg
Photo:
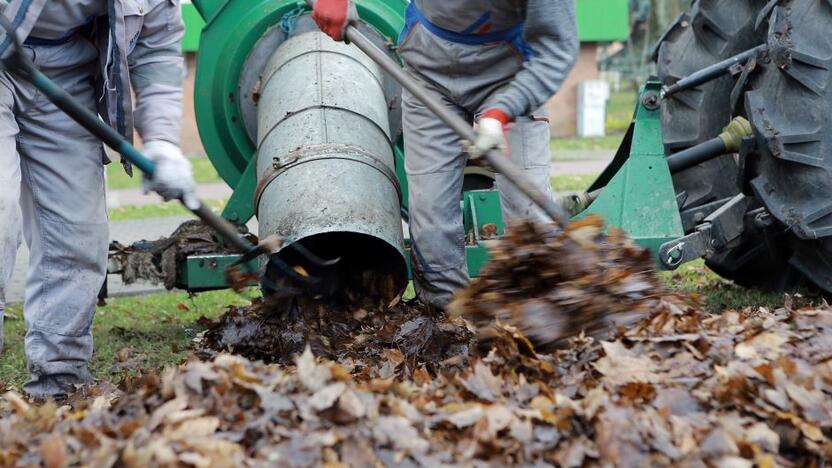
(528, 141)
(64, 223)
(434, 163)
(9, 192)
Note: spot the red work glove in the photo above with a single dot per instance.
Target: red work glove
(333, 16)
(490, 133)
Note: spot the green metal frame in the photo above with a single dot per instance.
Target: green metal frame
(637, 188)
(208, 272)
(636, 195)
(479, 208)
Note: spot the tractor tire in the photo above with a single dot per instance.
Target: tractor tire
(789, 104)
(713, 31)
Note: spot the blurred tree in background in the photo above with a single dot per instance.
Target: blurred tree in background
(648, 21)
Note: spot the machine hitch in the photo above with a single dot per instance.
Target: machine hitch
(719, 228)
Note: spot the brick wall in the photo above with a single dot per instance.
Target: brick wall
(563, 107)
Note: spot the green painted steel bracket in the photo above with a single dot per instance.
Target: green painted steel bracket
(207, 272)
(240, 206)
(637, 189)
(480, 210)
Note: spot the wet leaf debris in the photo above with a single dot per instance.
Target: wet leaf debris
(370, 339)
(157, 261)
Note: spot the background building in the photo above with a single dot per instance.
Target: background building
(600, 22)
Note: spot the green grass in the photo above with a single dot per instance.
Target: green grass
(606, 143)
(131, 334)
(572, 183)
(159, 210)
(720, 294)
(620, 111)
(204, 173)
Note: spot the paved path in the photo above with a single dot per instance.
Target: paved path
(116, 198)
(580, 155)
(580, 162)
(589, 166)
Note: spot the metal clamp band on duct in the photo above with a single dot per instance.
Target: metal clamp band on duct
(317, 153)
(325, 163)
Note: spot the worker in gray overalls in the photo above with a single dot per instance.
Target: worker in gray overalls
(493, 62)
(52, 170)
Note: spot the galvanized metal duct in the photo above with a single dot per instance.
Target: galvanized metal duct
(325, 164)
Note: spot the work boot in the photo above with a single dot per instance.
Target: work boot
(55, 387)
(60, 399)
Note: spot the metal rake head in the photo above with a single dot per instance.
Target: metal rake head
(310, 275)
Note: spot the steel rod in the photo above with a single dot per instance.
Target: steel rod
(711, 72)
(696, 154)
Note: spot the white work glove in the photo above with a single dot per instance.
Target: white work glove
(173, 178)
(490, 134)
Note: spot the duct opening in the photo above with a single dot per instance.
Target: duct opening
(370, 270)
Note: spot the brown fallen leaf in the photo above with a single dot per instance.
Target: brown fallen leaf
(196, 427)
(53, 451)
(483, 383)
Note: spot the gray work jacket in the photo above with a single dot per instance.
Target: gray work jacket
(139, 47)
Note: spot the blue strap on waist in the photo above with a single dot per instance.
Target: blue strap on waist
(40, 41)
(513, 35)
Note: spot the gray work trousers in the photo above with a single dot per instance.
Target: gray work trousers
(466, 78)
(52, 172)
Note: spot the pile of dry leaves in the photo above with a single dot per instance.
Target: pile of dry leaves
(681, 388)
(389, 384)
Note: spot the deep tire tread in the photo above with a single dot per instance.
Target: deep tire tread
(790, 108)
